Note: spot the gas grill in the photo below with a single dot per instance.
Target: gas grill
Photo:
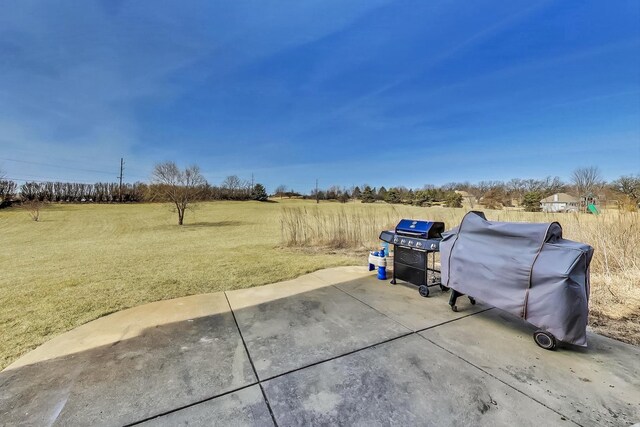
(414, 243)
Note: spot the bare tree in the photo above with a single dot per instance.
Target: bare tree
(587, 181)
(553, 185)
(516, 189)
(629, 185)
(280, 190)
(33, 208)
(8, 191)
(180, 187)
(233, 184)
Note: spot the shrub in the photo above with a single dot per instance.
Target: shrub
(393, 196)
(454, 200)
(33, 208)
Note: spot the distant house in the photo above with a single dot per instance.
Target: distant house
(559, 202)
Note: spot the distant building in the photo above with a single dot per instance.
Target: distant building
(559, 202)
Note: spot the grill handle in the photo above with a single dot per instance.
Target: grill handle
(409, 233)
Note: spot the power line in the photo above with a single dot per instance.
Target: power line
(63, 167)
(49, 156)
(55, 166)
(43, 179)
(211, 175)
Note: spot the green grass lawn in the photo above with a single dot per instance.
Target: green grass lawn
(81, 262)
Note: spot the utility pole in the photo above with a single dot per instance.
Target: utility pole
(120, 177)
(317, 195)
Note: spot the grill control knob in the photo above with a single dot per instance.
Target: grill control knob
(403, 241)
(418, 244)
(395, 240)
(410, 243)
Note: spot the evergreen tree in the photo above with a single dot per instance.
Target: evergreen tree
(259, 193)
(408, 197)
(356, 193)
(531, 201)
(392, 196)
(424, 197)
(382, 193)
(368, 195)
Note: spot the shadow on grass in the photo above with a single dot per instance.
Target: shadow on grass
(192, 226)
(216, 224)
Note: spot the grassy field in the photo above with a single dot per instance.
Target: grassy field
(84, 261)
(81, 262)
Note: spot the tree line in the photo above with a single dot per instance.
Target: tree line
(491, 194)
(179, 187)
(494, 194)
(232, 188)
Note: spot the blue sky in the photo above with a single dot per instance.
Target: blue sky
(382, 92)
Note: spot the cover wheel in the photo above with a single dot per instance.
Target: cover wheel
(424, 290)
(545, 340)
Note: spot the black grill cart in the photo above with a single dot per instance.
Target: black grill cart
(415, 244)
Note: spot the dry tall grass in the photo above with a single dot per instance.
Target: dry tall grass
(615, 235)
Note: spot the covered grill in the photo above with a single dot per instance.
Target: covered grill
(415, 242)
(526, 269)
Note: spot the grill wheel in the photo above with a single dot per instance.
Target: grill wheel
(545, 340)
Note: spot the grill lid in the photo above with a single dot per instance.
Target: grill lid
(417, 228)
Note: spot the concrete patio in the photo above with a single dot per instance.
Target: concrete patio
(335, 347)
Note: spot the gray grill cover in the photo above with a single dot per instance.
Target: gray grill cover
(526, 269)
